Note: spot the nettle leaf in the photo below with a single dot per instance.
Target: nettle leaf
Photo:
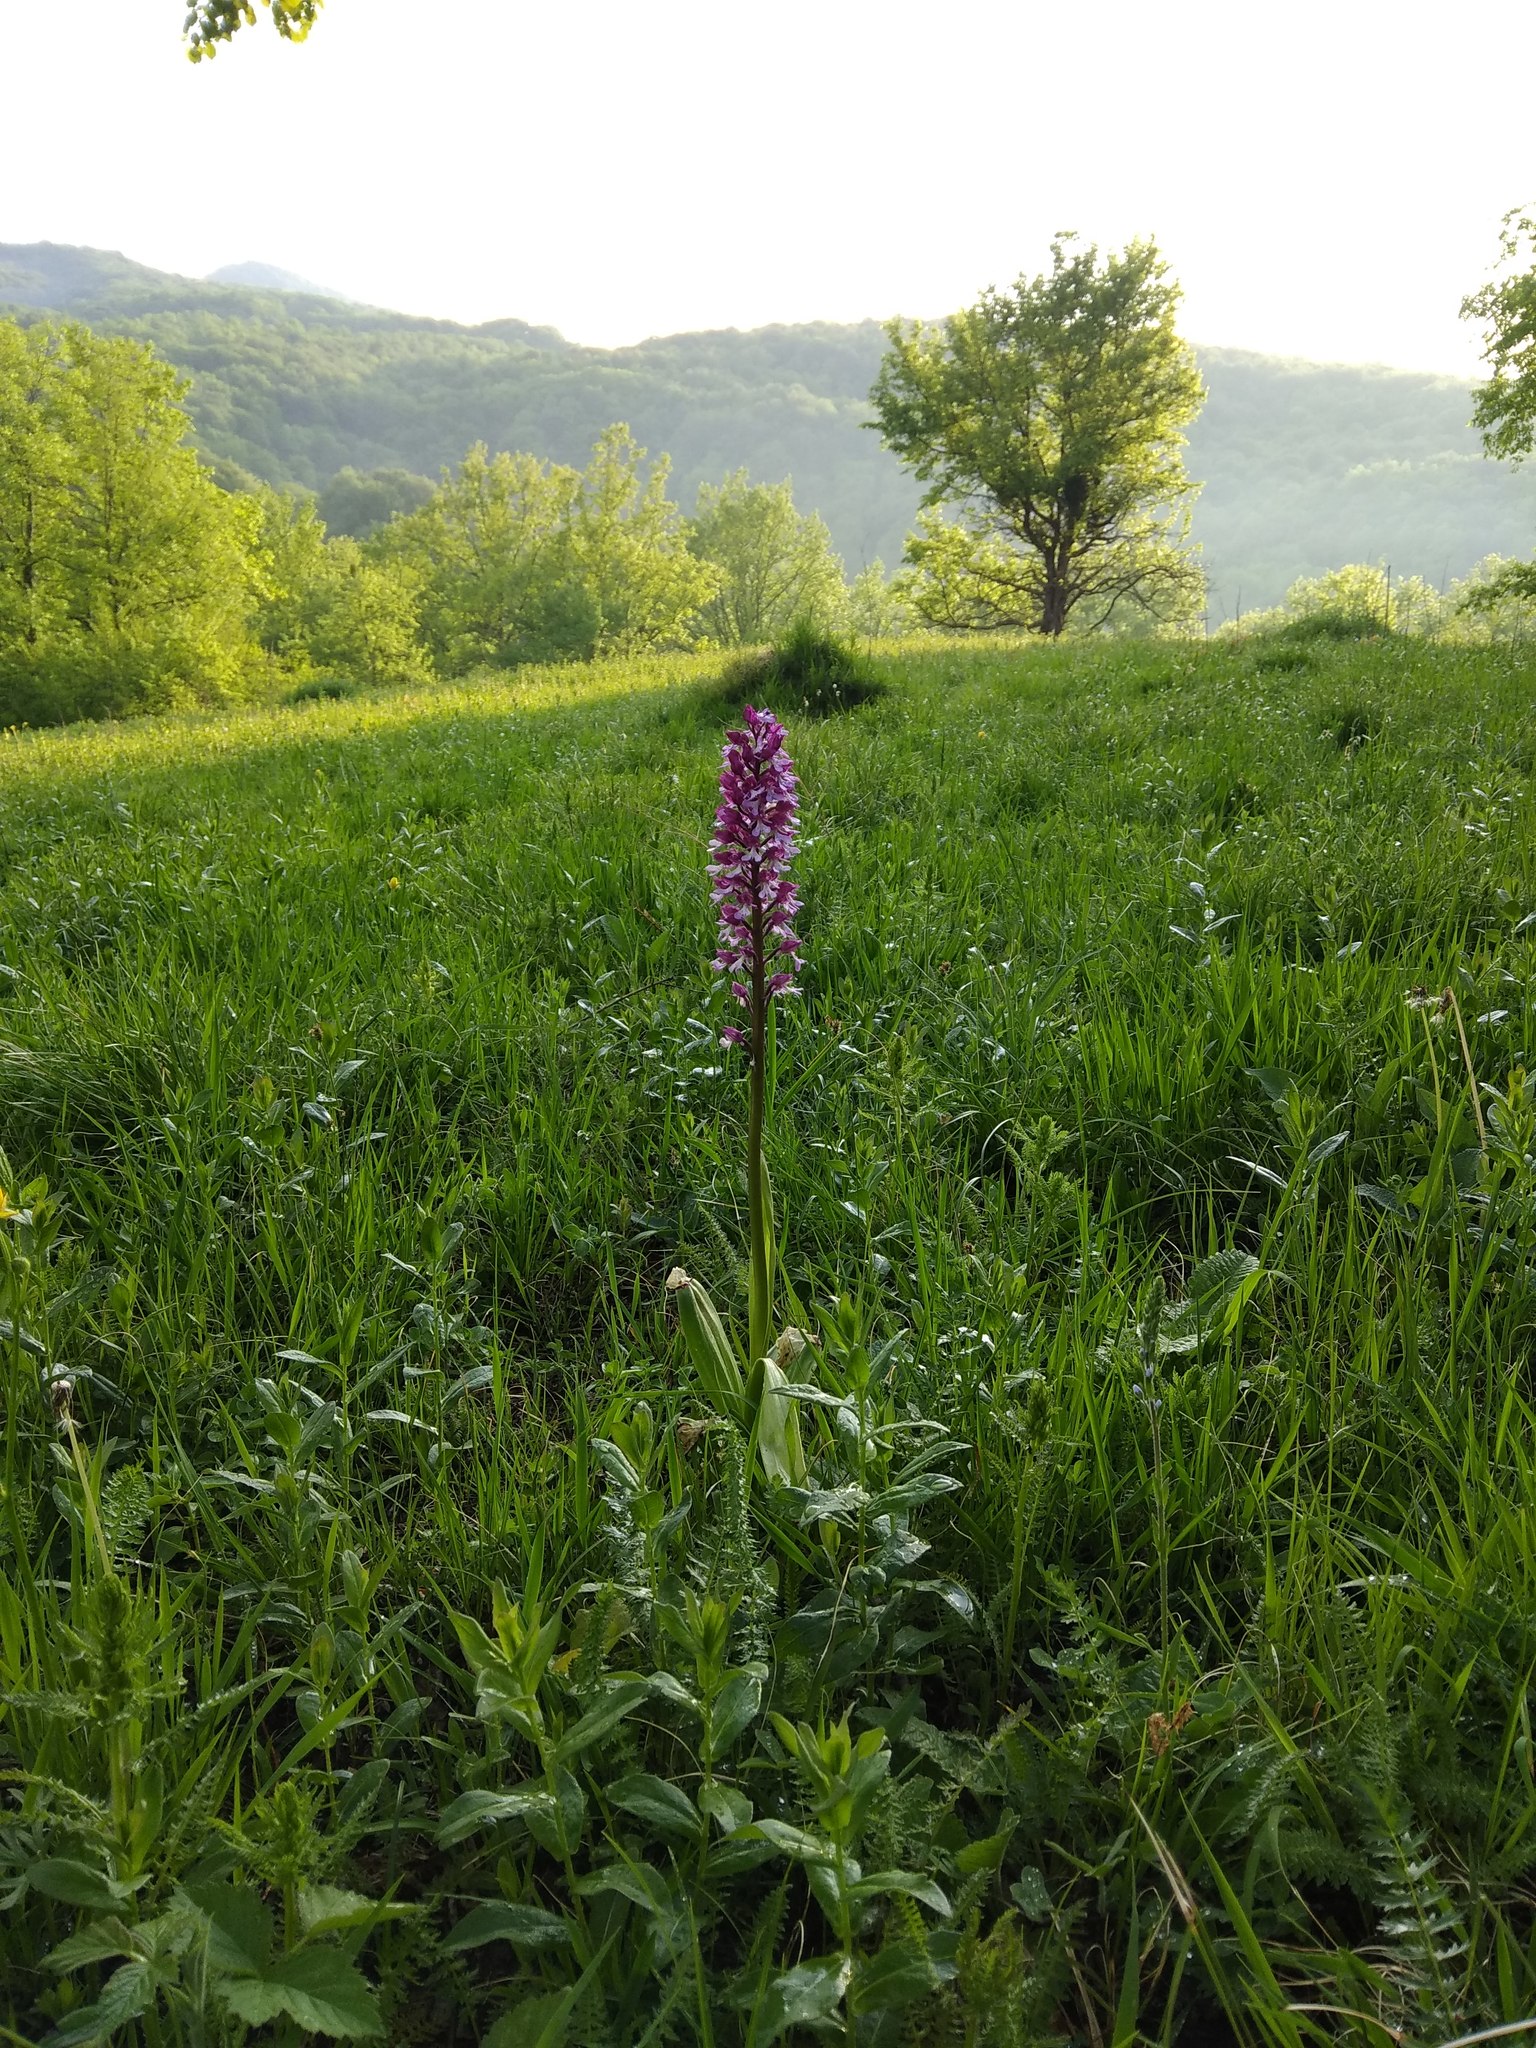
(98, 1941)
(506, 1920)
(1218, 1288)
(316, 1988)
(533, 2023)
(655, 1801)
(1216, 1280)
(239, 1927)
(124, 1997)
(986, 1853)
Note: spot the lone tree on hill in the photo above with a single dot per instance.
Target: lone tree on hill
(1050, 419)
(211, 22)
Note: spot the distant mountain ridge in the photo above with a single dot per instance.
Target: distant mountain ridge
(1305, 465)
(269, 278)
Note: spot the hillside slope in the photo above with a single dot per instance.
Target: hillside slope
(1305, 465)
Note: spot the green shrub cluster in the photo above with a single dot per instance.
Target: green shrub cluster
(126, 576)
(134, 579)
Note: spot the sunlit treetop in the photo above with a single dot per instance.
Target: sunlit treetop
(211, 22)
(1505, 406)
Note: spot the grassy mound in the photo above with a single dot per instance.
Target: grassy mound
(395, 1634)
(810, 671)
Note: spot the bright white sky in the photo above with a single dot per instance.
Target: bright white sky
(1326, 176)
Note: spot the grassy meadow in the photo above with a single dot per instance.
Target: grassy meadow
(1165, 1232)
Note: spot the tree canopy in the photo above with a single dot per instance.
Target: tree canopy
(126, 574)
(522, 560)
(776, 565)
(1505, 408)
(1048, 420)
(211, 22)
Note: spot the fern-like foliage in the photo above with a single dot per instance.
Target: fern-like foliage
(1420, 1928)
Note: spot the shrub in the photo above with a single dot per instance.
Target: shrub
(320, 689)
(810, 670)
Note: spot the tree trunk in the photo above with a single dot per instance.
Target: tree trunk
(1054, 601)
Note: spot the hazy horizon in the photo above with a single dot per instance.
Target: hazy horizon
(1326, 184)
(318, 288)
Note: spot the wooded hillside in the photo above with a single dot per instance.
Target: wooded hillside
(1305, 465)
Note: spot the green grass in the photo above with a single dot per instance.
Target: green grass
(369, 1053)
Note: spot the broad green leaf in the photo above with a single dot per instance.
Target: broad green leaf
(77, 1884)
(655, 1800)
(776, 1425)
(737, 1706)
(484, 1809)
(593, 1725)
(730, 1858)
(727, 1806)
(556, 1823)
(808, 1995)
(639, 1882)
(1028, 1892)
(880, 1883)
(325, 1910)
(505, 1920)
(831, 1504)
(832, 1888)
(1277, 1084)
(1215, 1280)
(898, 1976)
(797, 1842)
(664, 1686)
(713, 1354)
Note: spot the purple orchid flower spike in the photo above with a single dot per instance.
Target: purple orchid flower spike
(752, 848)
(754, 895)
